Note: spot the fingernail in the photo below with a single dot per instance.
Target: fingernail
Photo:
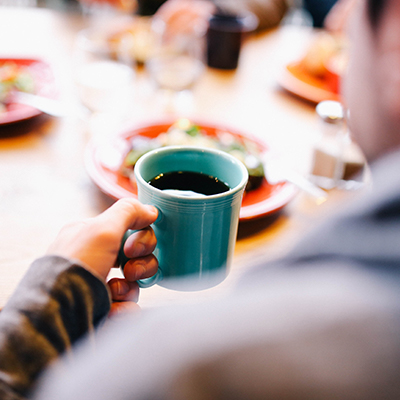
(140, 271)
(138, 251)
(155, 210)
(151, 209)
(122, 288)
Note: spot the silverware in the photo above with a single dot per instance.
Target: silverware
(53, 107)
(277, 171)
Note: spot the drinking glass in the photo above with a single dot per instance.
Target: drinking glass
(176, 63)
(103, 72)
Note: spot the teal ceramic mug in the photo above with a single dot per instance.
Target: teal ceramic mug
(195, 233)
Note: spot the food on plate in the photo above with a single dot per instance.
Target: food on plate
(13, 77)
(183, 132)
(324, 50)
(136, 39)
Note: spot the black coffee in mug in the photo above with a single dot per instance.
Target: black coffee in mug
(189, 182)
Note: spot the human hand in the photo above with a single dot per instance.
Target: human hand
(185, 16)
(95, 242)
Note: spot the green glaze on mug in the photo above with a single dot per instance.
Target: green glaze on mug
(195, 235)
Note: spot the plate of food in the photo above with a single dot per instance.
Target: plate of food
(316, 76)
(23, 75)
(110, 164)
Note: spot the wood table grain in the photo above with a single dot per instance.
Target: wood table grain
(43, 181)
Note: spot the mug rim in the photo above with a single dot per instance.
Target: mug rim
(169, 149)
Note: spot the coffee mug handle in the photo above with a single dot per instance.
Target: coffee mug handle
(122, 259)
(148, 282)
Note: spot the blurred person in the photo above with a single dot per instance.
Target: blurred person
(178, 12)
(269, 12)
(182, 13)
(321, 323)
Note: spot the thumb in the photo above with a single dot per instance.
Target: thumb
(128, 213)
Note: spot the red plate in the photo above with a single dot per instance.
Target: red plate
(298, 81)
(103, 161)
(44, 85)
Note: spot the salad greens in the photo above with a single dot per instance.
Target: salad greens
(183, 132)
(13, 78)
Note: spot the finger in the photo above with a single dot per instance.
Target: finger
(127, 214)
(123, 290)
(140, 268)
(140, 243)
(123, 307)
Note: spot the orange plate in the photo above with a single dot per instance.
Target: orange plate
(103, 161)
(298, 81)
(44, 85)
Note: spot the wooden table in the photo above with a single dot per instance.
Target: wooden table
(43, 181)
